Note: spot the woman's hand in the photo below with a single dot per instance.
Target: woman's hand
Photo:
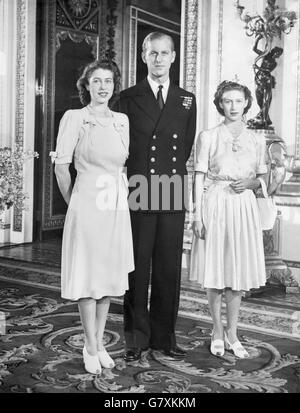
(199, 229)
(240, 185)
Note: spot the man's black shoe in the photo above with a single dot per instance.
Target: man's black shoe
(132, 354)
(174, 352)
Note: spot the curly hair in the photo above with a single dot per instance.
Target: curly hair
(83, 81)
(227, 85)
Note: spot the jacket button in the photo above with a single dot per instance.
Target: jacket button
(174, 159)
(175, 136)
(152, 171)
(152, 159)
(173, 171)
(175, 147)
(153, 148)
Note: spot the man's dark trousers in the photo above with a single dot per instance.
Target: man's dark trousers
(160, 236)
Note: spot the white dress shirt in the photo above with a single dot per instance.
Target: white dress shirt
(154, 86)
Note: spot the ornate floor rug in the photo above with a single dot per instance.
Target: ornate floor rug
(41, 341)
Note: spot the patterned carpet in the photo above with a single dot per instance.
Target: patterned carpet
(41, 342)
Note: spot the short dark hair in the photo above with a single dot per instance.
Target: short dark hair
(225, 87)
(154, 36)
(83, 81)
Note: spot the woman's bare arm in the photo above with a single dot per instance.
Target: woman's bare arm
(63, 177)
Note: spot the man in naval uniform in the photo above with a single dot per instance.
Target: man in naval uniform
(162, 120)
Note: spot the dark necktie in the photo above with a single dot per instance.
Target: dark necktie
(159, 97)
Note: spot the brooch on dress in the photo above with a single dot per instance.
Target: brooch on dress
(119, 127)
(235, 144)
(187, 101)
(89, 122)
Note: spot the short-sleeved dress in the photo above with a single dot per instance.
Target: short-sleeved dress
(97, 251)
(232, 254)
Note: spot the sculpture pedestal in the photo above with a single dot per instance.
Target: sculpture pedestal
(278, 273)
(292, 186)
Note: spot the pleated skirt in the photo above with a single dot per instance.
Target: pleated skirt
(232, 253)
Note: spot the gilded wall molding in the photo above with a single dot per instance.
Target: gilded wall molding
(102, 31)
(111, 21)
(62, 34)
(220, 38)
(288, 204)
(292, 264)
(287, 201)
(132, 46)
(47, 217)
(190, 45)
(297, 135)
(80, 15)
(190, 78)
(21, 28)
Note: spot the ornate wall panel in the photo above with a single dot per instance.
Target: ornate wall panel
(78, 14)
(20, 90)
(297, 142)
(111, 21)
(190, 46)
(220, 37)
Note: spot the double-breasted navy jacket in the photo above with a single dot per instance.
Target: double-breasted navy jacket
(160, 141)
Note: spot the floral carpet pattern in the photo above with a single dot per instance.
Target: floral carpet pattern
(41, 341)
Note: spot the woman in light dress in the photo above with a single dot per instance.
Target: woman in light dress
(97, 252)
(232, 158)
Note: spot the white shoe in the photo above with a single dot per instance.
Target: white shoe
(237, 348)
(105, 360)
(217, 347)
(91, 363)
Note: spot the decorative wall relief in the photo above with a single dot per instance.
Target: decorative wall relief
(62, 35)
(190, 45)
(20, 91)
(78, 14)
(111, 21)
(82, 18)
